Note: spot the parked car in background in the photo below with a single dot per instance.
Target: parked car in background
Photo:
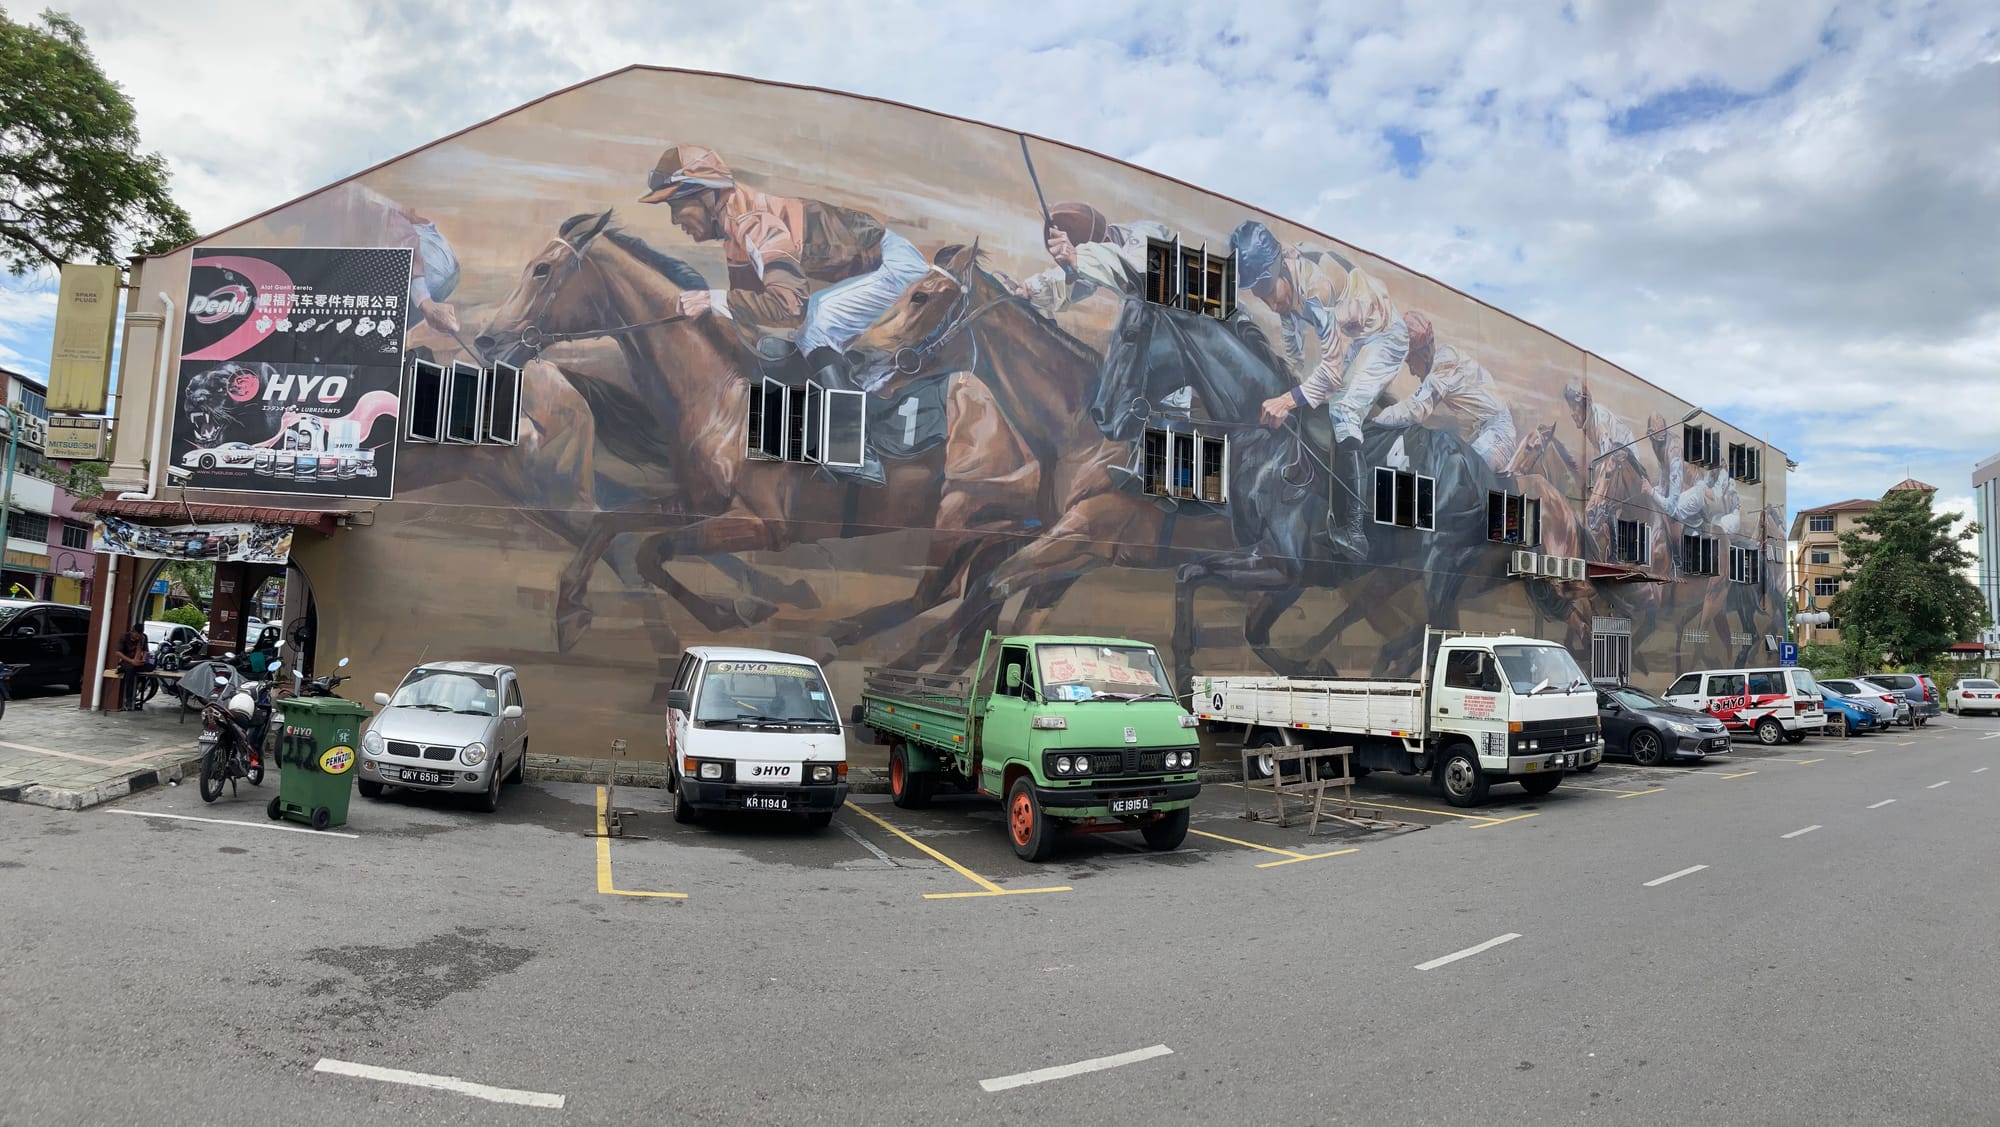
(1774, 704)
(1889, 706)
(1925, 700)
(1853, 714)
(1638, 724)
(46, 640)
(1974, 694)
(175, 645)
(454, 726)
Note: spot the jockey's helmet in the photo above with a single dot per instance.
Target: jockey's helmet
(684, 170)
(1257, 253)
(1080, 221)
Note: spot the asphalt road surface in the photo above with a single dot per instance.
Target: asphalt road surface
(1798, 935)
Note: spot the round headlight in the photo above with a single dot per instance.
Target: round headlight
(371, 742)
(1083, 764)
(473, 755)
(1062, 765)
(1187, 759)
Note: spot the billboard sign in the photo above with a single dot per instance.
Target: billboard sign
(75, 439)
(208, 543)
(80, 354)
(290, 374)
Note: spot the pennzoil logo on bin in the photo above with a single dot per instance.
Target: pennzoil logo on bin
(337, 760)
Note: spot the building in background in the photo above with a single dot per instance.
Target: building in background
(25, 573)
(1986, 511)
(813, 372)
(1818, 563)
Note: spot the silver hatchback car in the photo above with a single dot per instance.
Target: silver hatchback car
(454, 726)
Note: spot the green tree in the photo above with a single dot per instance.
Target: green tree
(73, 184)
(1907, 593)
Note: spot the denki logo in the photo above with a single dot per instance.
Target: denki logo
(221, 304)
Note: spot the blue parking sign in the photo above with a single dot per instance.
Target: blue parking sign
(159, 587)
(1788, 653)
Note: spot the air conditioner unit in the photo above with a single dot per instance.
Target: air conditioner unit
(1523, 563)
(1552, 567)
(1575, 568)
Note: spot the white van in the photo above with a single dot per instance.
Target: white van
(754, 730)
(1776, 703)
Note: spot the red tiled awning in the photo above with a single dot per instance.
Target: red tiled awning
(1603, 572)
(321, 521)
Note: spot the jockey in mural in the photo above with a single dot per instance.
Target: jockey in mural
(776, 247)
(1604, 436)
(1292, 284)
(1460, 385)
(1094, 255)
(1350, 383)
(365, 217)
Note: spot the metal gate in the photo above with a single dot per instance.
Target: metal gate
(1610, 649)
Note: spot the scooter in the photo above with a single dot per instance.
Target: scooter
(324, 686)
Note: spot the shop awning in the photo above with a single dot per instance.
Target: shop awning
(321, 521)
(1599, 571)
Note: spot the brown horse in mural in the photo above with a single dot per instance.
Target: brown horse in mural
(686, 383)
(959, 317)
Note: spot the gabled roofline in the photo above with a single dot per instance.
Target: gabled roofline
(968, 121)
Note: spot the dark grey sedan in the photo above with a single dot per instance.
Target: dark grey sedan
(1649, 730)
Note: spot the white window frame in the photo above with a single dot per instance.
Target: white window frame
(420, 370)
(1742, 562)
(1417, 489)
(808, 440)
(1813, 520)
(830, 397)
(1530, 522)
(500, 420)
(1203, 444)
(1643, 537)
(1825, 587)
(464, 374)
(761, 445)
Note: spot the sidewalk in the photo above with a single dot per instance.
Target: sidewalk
(54, 754)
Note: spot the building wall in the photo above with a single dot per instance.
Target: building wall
(474, 556)
(1816, 578)
(1986, 510)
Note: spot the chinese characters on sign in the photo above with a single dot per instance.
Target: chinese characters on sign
(291, 365)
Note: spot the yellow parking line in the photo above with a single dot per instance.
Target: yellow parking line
(1372, 804)
(1904, 743)
(1863, 751)
(1251, 845)
(1307, 857)
(1641, 793)
(987, 887)
(1599, 790)
(1737, 775)
(1504, 821)
(604, 884)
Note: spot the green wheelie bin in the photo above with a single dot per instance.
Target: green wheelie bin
(316, 760)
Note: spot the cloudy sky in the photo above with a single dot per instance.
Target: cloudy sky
(1789, 213)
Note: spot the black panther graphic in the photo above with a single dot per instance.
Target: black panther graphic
(208, 404)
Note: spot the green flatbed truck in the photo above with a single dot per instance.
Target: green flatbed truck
(1076, 735)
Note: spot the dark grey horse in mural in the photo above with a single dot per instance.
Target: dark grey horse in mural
(1277, 503)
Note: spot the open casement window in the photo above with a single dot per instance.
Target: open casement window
(1162, 272)
(503, 405)
(1745, 462)
(809, 423)
(1153, 463)
(1193, 467)
(1701, 446)
(844, 428)
(768, 411)
(1513, 519)
(464, 403)
(1405, 499)
(423, 407)
(1635, 542)
(1745, 566)
(1212, 481)
(1698, 554)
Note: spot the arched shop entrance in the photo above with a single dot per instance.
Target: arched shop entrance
(255, 575)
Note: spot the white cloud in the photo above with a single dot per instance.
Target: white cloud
(1784, 212)
(27, 317)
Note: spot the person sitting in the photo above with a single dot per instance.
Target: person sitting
(134, 661)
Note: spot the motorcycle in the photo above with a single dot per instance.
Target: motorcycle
(235, 725)
(324, 686)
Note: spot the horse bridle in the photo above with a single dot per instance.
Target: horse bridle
(535, 340)
(911, 358)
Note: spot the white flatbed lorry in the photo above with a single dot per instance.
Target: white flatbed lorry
(1485, 709)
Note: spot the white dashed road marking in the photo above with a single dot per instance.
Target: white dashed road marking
(1881, 804)
(1799, 833)
(1096, 1064)
(1689, 871)
(1935, 786)
(1469, 951)
(441, 1083)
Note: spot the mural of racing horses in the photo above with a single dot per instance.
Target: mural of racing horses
(962, 317)
(1275, 511)
(686, 382)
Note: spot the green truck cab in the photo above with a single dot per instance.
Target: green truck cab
(1071, 734)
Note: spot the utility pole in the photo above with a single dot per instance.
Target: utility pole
(7, 481)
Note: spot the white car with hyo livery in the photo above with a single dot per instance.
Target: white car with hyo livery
(754, 730)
